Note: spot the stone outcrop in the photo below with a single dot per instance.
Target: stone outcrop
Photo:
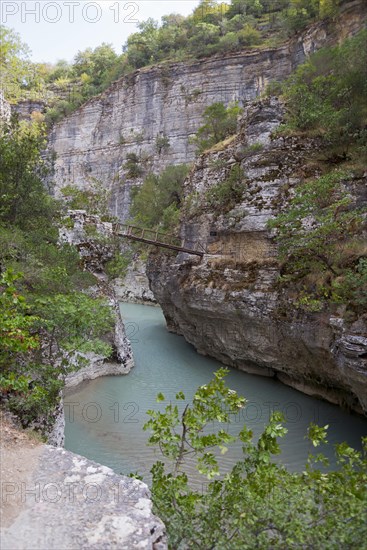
(169, 100)
(134, 286)
(26, 108)
(95, 251)
(228, 304)
(70, 502)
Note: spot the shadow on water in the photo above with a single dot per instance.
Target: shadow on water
(105, 417)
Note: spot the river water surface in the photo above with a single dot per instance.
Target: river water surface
(105, 417)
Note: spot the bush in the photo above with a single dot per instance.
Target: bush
(327, 93)
(117, 267)
(133, 166)
(314, 234)
(249, 36)
(156, 203)
(95, 199)
(258, 503)
(219, 123)
(162, 144)
(225, 195)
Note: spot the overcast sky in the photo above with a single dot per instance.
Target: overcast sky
(57, 29)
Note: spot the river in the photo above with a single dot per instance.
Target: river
(104, 417)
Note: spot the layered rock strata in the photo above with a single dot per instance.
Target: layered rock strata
(228, 304)
(169, 100)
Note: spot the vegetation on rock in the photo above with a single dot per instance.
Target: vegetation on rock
(213, 27)
(223, 196)
(46, 316)
(258, 503)
(219, 123)
(321, 233)
(326, 96)
(156, 204)
(94, 199)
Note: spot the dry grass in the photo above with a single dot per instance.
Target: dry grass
(221, 145)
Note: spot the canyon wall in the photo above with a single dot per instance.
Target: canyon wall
(228, 303)
(169, 100)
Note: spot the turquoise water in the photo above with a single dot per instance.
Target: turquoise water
(104, 417)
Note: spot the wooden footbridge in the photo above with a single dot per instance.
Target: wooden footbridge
(157, 238)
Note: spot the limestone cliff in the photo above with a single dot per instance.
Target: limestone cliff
(94, 253)
(227, 304)
(169, 100)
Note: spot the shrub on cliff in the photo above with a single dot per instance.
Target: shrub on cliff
(258, 503)
(327, 94)
(219, 122)
(157, 202)
(223, 196)
(94, 199)
(320, 237)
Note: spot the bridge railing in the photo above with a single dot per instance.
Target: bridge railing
(157, 236)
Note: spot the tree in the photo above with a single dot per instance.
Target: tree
(205, 35)
(162, 143)
(258, 503)
(141, 47)
(15, 322)
(328, 8)
(97, 64)
(133, 166)
(157, 201)
(24, 198)
(14, 64)
(219, 123)
(210, 11)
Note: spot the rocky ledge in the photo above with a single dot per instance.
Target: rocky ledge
(70, 502)
(227, 304)
(94, 254)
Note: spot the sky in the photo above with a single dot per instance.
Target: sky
(58, 29)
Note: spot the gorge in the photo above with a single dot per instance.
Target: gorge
(257, 155)
(169, 100)
(227, 306)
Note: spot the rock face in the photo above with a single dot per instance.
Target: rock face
(227, 304)
(72, 502)
(169, 100)
(27, 107)
(134, 287)
(94, 253)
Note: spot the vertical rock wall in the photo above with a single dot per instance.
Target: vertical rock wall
(228, 304)
(169, 99)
